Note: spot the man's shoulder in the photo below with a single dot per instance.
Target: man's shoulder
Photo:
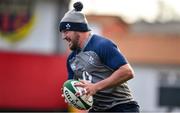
(100, 40)
(97, 43)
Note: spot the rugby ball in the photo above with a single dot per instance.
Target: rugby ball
(69, 91)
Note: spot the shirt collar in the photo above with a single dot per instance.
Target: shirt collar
(87, 41)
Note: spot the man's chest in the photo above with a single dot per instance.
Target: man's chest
(85, 63)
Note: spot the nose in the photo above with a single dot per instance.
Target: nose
(64, 35)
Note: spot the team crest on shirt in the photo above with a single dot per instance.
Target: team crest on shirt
(72, 63)
(91, 60)
(73, 66)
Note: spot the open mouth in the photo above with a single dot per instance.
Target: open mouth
(70, 44)
(69, 41)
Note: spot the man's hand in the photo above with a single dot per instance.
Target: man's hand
(89, 88)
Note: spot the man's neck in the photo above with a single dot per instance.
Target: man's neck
(84, 38)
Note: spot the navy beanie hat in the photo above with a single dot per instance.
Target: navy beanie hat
(74, 20)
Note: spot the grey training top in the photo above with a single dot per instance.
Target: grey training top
(95, 62)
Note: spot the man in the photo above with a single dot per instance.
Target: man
(98, 63)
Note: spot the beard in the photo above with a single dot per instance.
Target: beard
(75, 42)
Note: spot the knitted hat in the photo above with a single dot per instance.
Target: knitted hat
(74, 20)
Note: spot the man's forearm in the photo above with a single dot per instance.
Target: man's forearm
(120, 76)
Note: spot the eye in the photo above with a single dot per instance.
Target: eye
(63, 31)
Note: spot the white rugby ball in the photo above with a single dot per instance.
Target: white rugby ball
(69, 91)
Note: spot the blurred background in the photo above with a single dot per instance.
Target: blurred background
(33, 55)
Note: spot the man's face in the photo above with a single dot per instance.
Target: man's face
(72, 39)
